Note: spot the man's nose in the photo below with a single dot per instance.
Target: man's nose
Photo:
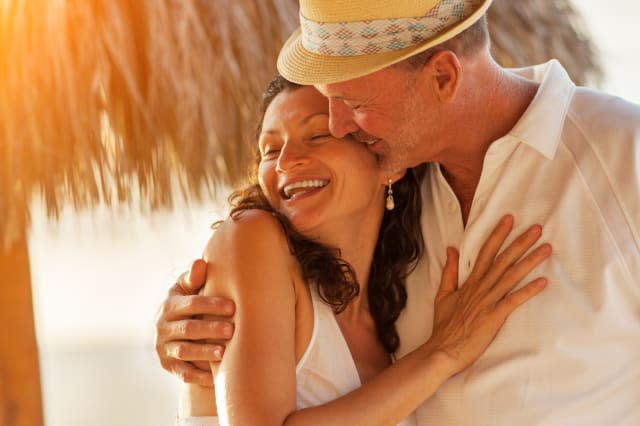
(340, 119)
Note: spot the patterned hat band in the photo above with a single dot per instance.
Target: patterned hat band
(382, 35)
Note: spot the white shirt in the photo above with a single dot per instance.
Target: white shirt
(570, 356)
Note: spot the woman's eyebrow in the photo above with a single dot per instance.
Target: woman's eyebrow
(307, 119)
(304, 121)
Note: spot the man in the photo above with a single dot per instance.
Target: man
(415, 81)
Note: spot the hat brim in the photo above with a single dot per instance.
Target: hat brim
(298, 65)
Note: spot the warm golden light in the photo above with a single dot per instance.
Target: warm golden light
(97, 96)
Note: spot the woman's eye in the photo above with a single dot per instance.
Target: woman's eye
(320, 136)
(352, 106)
(269, 151)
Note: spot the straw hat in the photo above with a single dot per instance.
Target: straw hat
(343, 39)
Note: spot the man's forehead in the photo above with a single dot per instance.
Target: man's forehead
(329, 90)
(355, 88)
(347, 90)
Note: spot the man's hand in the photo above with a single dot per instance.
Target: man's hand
(182, 338)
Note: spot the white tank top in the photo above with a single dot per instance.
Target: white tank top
(327, 371)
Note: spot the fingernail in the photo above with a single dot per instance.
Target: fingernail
(227, 330)
(217, 352)
(228, 308)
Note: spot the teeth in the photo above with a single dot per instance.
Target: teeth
(308, 183)
(365, 138)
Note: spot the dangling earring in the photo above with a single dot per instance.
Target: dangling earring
(390, 204)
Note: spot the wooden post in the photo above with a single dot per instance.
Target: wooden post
(20, 395)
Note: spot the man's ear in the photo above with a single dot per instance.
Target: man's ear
(444, 70)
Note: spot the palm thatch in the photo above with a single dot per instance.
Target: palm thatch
(142, 101)
(534, 31)
(120, 100)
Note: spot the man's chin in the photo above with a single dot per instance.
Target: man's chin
(389, 164)
(393, 163)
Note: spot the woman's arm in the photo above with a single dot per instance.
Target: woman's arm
(255, 383)
(196, 401)
(250, 263)
(466, 321)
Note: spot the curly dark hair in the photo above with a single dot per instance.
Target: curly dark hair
(398, 248)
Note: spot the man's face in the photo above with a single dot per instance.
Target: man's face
(389, 112)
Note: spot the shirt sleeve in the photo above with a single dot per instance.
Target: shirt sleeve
(198, 421)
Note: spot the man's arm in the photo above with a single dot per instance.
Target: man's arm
(180, 331)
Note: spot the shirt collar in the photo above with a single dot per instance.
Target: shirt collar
(541, 125)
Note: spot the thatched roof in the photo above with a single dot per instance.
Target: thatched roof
(526, 32)
(142, 101)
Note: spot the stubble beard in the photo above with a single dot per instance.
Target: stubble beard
(399, 156)
(390, 158)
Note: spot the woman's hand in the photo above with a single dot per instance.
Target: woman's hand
(467, 318)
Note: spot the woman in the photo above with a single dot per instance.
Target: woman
(315, 330)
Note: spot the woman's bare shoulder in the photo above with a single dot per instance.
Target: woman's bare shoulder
(249, 245)
(248, 229)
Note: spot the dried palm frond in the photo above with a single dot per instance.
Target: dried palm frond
(142, 101)
(534, 31)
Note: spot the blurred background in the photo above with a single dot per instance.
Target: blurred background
(98, 275)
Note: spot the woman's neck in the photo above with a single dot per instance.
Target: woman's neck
(356, 238)
(356, 322)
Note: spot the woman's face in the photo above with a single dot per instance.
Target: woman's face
(315, 180)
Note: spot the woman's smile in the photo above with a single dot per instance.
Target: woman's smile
(294, 189)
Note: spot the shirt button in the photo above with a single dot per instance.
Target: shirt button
(453, 206)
